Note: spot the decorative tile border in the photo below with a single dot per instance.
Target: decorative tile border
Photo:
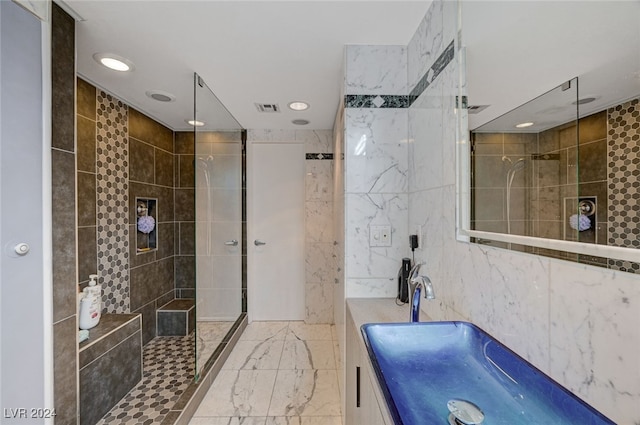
(112, 186)
(438, 66)
(623, 136)
(403, 101)
(376, 101)
(320, 156)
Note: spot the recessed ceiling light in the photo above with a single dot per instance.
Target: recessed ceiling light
(160, 96)
(195, 123)
(300, 122)
(115, 62)
(524, 125)
(299, 106)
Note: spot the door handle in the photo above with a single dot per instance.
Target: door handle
(21, 249)
(258, 242)
(232, 242)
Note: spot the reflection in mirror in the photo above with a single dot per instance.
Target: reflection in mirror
(541, 171)
(565, 186)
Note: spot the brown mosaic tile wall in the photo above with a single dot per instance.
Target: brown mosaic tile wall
(63, 159)
(185, 207)
(151, 175)
(623, 141)
(123, 154)
(112, 181)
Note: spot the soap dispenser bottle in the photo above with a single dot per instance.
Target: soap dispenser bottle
(89, 310)
(91, 304)
(96, 290)
(93, 287)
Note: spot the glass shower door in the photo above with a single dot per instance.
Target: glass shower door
(219, 222)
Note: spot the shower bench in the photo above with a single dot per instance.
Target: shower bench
(110, 364)
(176, 318)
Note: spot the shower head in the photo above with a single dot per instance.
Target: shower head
(519, 164)
(514, 166)
(203, 162)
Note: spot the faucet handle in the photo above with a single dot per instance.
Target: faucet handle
(413, 274)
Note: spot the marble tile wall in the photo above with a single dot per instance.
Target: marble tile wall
(578, 323)
(339, 307)
(376, 167)
(319, 237)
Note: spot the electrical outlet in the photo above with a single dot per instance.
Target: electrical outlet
(385, 235)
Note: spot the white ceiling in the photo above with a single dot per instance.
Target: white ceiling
(281, 51)
(519, 50)
(246, 52)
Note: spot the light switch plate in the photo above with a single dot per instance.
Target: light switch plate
(379, 235)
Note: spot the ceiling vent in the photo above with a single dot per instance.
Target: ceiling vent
(476, 109)
(267, 107)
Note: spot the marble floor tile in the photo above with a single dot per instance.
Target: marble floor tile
(259, 331)
(305, 393)
(225, 420)
(306, 332)
(255, 355)
(305, 420)
(337, 355)
(279, 373)
(307, 355)
(238, 393)
(213, 330)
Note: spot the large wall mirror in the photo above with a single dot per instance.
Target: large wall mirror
(549, 146)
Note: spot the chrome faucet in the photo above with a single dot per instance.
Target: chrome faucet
(419, 282)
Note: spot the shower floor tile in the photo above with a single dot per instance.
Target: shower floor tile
(168, 370)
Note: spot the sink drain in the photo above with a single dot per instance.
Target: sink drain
(464, 412)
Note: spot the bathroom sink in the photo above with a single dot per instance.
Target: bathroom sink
(425, 368)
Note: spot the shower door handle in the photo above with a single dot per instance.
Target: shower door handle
(258, 242)
(232, 242)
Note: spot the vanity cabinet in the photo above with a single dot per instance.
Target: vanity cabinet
(361, 401)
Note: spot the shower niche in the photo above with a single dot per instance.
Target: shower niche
(581, 219)
(146, 228)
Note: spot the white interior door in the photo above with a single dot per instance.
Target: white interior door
(26, 349)
(276, 231)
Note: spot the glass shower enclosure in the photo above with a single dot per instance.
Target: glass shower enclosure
(220, 230)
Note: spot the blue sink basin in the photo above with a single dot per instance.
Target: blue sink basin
(422, 366)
